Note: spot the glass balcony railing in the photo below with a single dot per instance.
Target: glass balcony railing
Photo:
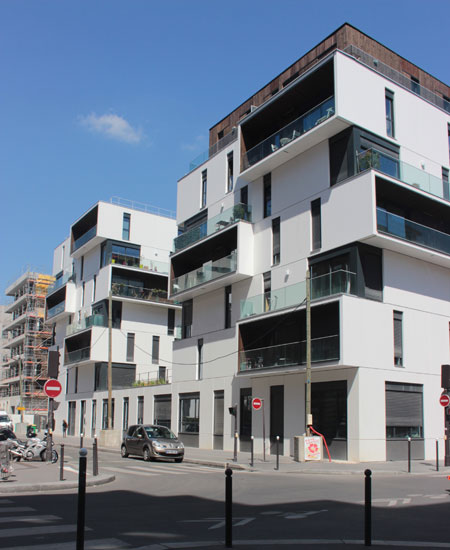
(90, 233)
(140, 262)
(208, 272)
(406, 173)
(139, 293)
(96, 320)
(336, 282)
(288, 355)
(231, 215)
(218, 146)
(53, 311)
(291, 131)
(412, 232)
(61, 282)
(77, 356)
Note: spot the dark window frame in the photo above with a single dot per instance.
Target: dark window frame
(389, 108)
(267, 195)
(276, 241)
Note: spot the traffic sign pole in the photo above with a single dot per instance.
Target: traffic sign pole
(264, 431)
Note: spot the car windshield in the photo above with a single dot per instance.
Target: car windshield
(4, 418)
(159, 431)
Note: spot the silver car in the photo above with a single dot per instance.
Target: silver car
(6, 422)
(152, 442)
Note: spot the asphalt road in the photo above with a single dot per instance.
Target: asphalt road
(160, 505)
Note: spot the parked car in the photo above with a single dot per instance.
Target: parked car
(5, 421)
(6, 433)
(152, 442)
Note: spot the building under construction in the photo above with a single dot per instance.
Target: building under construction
(25, 347)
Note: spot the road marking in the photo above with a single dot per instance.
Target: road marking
(17, 509)
(219, 522)
(96, 544)
(127, 471)
(301, 515)
(29, 519)
(44, 530)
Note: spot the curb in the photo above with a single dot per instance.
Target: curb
(53, 486)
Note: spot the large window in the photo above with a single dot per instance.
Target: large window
(276, 241)
(140, 409)
(170, 322)
(186, 319)
(398, 338)
(204, 188)
(155, 350)
(105, 414)
(228, 305)
(126, 227)
(130, 346)
(126, 409)
(404, 410)
(267, 197)
(389, 98)
(163, 410)
(189, 413)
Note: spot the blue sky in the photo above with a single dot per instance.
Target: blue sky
(114, 98)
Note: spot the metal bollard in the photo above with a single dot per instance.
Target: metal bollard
(228, 508)
(95, 458)
(61, 463)
(81, 440)
(368, 508)
(437, 455)
(409, 455)
(277, 467)
(81, 499)
(252, 451)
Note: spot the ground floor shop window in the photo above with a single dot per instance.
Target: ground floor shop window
(71, 417)
(163, 410)
(189, 418)
(140, 409)
(105, 414)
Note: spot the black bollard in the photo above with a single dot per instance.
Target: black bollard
(437, 455)
(228, 508)
(81, 499)
(277, 467)
(61, 464)
(95, 458)
(81, 440)
(409, 455)
(252, 451)
(368, 509)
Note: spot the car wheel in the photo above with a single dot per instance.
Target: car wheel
(123, 451)
(179, 460)
(147, 455)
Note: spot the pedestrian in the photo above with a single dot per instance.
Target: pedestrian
(64, 427)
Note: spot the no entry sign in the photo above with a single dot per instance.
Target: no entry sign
(52, 388)
(256, 403)
(444, 400)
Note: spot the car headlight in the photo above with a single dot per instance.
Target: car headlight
(180, 445)
(159, 445)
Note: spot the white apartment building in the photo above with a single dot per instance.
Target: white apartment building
(120, 248)
(338, 166)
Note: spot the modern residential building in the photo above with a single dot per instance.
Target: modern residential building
(26, 340)
(116, 253)
(338, 167)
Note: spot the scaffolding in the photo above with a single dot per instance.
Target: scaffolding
(27, 368)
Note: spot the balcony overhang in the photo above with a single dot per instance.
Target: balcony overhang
(87, 246)
(209, 286)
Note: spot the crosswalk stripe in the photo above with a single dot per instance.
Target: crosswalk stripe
(17, 509)
(128, 471)
(28, 519)
(95, 544)
(44, 530)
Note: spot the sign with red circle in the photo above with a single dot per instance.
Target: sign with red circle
(444, 400)
(256, 403)
(52, 388)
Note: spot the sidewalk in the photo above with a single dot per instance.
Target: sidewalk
(220, 459)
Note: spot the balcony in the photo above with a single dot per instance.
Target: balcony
(289, 355)
(88, 322)
(209, 271)
(295, 129)
(402, 171)
(330, 284)
(139, 262)
(90, 234)
(224, 219)
(77, 356)
(140, 293)
(61, 282)
(56, 310)
(218, 146)
(412, 232)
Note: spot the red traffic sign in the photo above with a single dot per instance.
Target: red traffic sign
(52, 388)
(444, 400)
(256, 403)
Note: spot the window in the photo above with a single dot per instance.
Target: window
(76, 380)
(94, 288)
(220, 135)
(126, 227)
(267, 207)
(398, 338)
(83, 291)
(94, 418)
(204, 188)
(415, 85)
(389, 98)
(126, 409)
(404, 411)
(155, 350)
(218, 413)
(244, 193)
(82, 417)
(445, 184)
(82, 268)
(162, 374)
(170, 322)
(105, 414)
(228, 304)
(230, 172)
(200, 359)
(446, 101)
(163, 410)
(316, 224)
(267, 281)
(186, 319)
(189, 413)
(140, 409)
(276, 241)
(130, 346)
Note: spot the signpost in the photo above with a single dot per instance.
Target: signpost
(257, 405)
(52, 389)
(444, 400)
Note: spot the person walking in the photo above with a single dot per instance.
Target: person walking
(64, 427)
